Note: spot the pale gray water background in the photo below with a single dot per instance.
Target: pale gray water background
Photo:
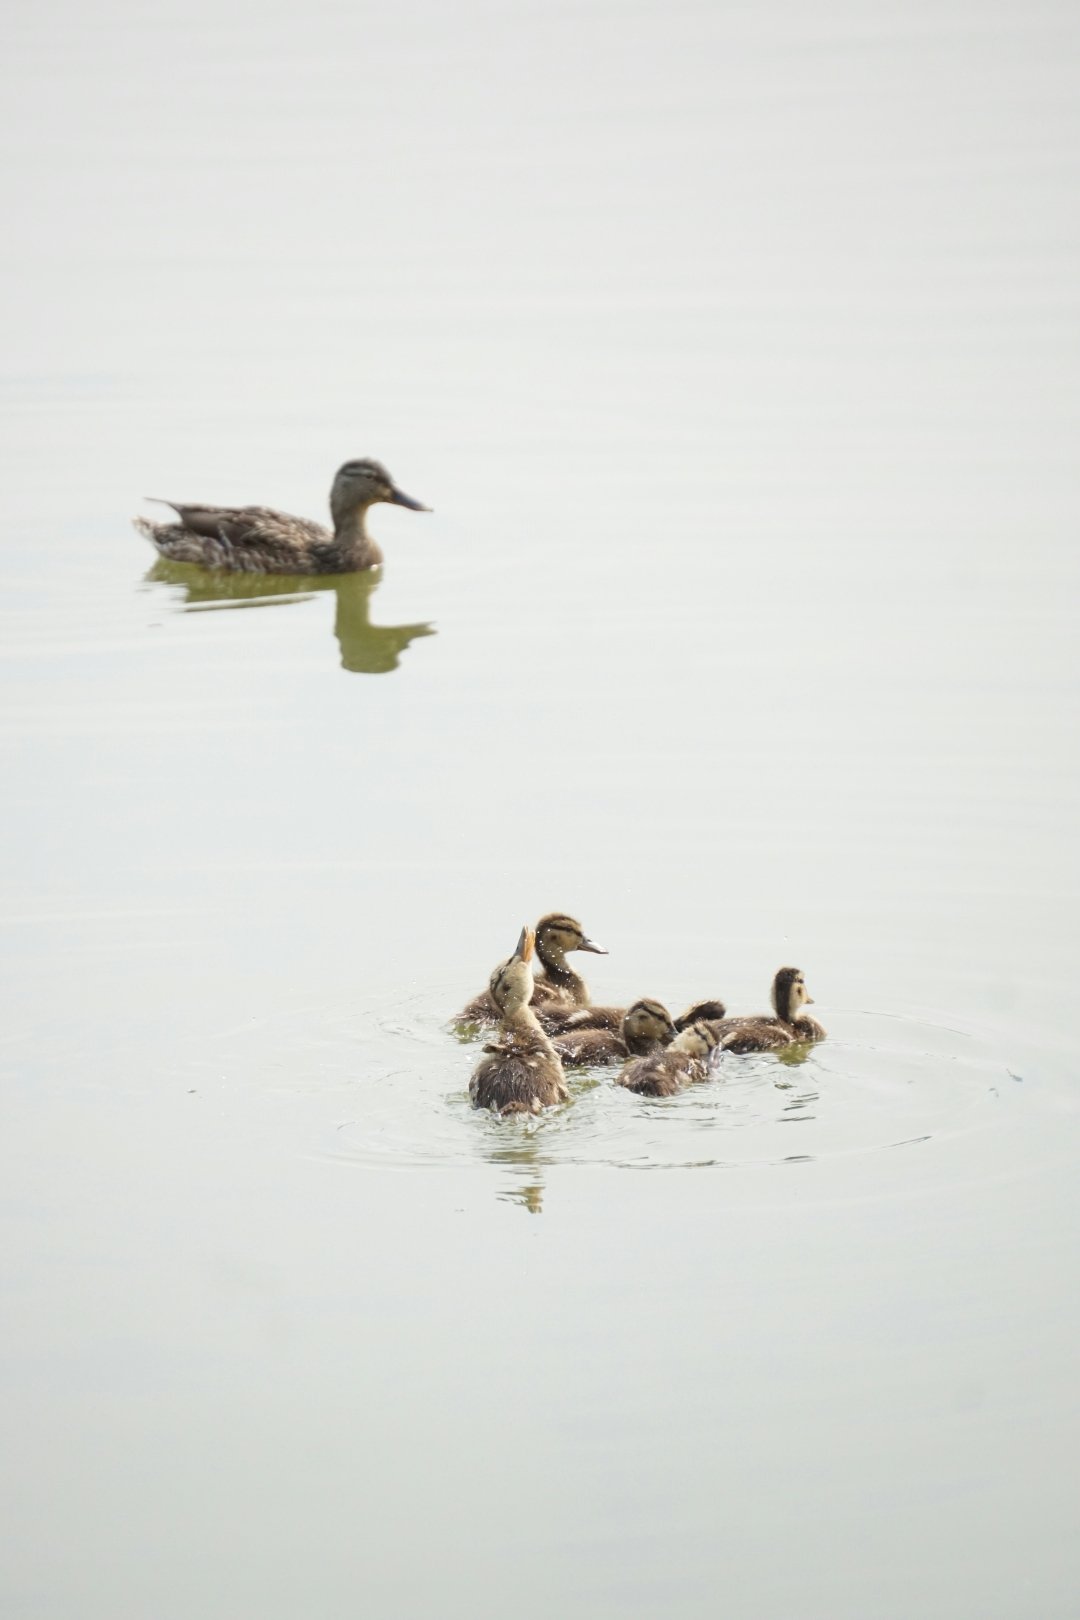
(735, 348)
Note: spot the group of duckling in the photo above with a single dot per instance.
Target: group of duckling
(547, 1022)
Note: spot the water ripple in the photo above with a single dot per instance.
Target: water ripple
(878, 1083)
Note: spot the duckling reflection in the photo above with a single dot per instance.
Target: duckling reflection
(366, 648)
(522, 1156)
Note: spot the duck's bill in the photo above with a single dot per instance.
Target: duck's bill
(526, 941)
(588, 944)
(399, 498)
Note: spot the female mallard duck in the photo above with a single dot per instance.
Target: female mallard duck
(558, 985)
(790, 1027)
(256, 540)
(684, 1063)
(563, 1020)
(521, 1072)
(646, 1027)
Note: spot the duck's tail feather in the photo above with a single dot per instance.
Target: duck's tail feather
(145, 527)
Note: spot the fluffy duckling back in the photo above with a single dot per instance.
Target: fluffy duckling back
(646, 1027)
(684, 1063)
(521, 1073)
(563, 1020)
(558, 986)
(257, 540)
(790, 1026)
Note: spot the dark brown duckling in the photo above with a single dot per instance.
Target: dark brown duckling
(684, 1063)
(521, 1072)
(790, 1026)
(646, 1027)
(257, 540)
(561, 1020)
(558, 985)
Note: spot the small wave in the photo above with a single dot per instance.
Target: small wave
(396, 1084)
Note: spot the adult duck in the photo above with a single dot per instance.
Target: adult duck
(257, 540)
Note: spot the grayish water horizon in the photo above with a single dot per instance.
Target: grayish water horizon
(735, 350)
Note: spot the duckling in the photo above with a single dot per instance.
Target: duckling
(646, 1027)
(563, 1020)
(558, 985)
(521, 1073)
(256, 540)
(790, 1026)
(684, 1063)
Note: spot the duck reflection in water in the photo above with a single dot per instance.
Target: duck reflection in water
(525, 1183)
(366, 648)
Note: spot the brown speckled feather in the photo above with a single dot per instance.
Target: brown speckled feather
(765, 1034)
(646, 1027)
(518, 1076)
(567, 1019)
(592, 1046)
(258, 540)
(247, 539)
(663, 1074)
(685, 1063)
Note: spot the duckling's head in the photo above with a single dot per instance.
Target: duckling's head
(511, 983)
(789, 994)
(698, 1039)
(361, 484)
(557, 933)
(648, 1021)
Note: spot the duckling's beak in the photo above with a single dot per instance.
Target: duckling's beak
(809, 1001)
(397, 497)
(524, 948)
(588, 944)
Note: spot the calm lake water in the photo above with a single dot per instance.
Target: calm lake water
(735, 349)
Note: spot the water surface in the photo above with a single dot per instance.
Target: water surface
(734, 349)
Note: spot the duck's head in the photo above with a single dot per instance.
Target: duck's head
(557, 933)
(648, 1021)
(790, 995)
(361, 484)
(698, 1040)
(511, 983)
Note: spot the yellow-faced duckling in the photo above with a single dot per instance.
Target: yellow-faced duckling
(791, 1026)
(521, 1072)
(646, 1027)
(684, 1063)
(558, 986)
(564, 1020)
(256, 540)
